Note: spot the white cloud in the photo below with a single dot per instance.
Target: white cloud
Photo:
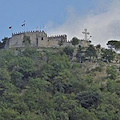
(103, 24)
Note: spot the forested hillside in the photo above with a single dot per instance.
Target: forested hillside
(49, 84)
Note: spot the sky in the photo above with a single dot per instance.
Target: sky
(100, 17)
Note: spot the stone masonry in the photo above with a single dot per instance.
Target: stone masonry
(37, 39)
(40, 39)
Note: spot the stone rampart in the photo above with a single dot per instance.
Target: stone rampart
(19, 33)
(40, 39)
(54, 41)
(37, 39)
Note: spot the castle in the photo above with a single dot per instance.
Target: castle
(39, 39)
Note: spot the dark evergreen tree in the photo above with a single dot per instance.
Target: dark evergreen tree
(91, 52)
(75, 41)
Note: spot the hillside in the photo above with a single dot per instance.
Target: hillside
(59, 84)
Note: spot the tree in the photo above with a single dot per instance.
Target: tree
(80, 113)
(75, 41)
(4, 75)
(98, 46)
(3, 42)
(17, 78)
(69, 51)
(21, 68)
(9, 114)
(80, 55)
(33, 88)
(112, 72)
(91, 52)
(89, 99)
(113, 86)
(114, 44)
(108, 55)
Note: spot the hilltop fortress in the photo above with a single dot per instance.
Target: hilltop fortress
(39, 39)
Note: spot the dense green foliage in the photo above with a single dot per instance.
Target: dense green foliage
(91, 52)
(114, 44)
(45, 85)
(75, 41)
(108, 55)
(3, 42)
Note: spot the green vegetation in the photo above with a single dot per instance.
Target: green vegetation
(3, 42)
(47, 85)
(91, 52)
(114, 44)
(108, 55)
(75, 41)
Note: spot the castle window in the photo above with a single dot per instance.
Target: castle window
(36, 41)
(41, 38)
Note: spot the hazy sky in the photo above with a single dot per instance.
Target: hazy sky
(71, 17)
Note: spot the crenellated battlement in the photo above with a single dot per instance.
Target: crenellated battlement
(20, 33)
(58, 37)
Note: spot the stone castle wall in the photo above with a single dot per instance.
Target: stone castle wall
(54, 41)
(15, 41)
(40, 39)
(37, 39)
